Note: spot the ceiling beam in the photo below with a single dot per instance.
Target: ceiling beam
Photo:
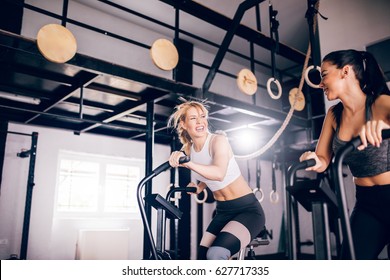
(152, 95)
(242, 8)
(214, 18)
(93, 67)
(83, 78)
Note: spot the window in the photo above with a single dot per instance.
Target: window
(97, 185)
(121, 183)
(78, 187)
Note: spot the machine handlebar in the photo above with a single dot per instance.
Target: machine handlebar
(165, 166)
(357, 141)
(191, 189)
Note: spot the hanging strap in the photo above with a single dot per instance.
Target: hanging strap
(311, 16)
(274, 25)
(258, 191)
(274, 196)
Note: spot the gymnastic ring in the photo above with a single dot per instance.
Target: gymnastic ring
(200, 201)
(261, 194)
(274, 196)
(318, 68)
(277, 83)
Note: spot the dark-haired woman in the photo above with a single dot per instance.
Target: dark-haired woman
(355, 78)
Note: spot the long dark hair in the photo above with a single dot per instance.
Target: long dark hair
(367, 70)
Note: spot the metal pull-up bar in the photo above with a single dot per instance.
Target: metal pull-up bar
(242, 8)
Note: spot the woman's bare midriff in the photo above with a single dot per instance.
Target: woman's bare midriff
(380, 179)
(236, 189)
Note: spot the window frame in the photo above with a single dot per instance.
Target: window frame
(103, 161)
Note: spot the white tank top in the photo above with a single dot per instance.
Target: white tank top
(203, 157)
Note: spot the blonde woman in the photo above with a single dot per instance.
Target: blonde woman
(239, 216)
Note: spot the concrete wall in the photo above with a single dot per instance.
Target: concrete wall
(352, 24)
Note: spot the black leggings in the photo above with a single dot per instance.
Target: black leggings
(370, 222)
(235, 220)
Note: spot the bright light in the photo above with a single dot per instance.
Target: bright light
(247, 140)
(248, 137)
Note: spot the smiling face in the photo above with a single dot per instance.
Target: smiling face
(332, 80)
(195, 122)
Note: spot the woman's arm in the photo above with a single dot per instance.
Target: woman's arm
(371, 132)
(220, 151)
(323, 153)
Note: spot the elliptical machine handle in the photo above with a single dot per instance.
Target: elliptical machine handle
(357, 141)
(306, 163)
(386, 133)
(180, 189)
(165, 166)
(191, 189)
(298, 166)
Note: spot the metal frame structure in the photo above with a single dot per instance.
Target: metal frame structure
(20, 59)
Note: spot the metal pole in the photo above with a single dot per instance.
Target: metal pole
(29, 193)
(149, 142)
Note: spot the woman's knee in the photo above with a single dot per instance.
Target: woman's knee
(218, 253)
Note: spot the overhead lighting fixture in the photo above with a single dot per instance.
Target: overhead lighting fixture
(134, 120)
(20, 98)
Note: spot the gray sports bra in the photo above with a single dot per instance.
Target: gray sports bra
(369, 162)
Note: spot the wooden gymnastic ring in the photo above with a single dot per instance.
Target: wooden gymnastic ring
(200, 201)
(318, 68)
(277, 83)
(274, 196)
(256, 190)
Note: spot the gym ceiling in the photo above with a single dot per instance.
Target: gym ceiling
(89, 95)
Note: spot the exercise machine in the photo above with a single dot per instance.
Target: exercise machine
(315, 196)
(337, 164)
(165, 210)
(320, 197)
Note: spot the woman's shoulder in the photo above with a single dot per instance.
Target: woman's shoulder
(218, 137)
(382, 103)
(333, 115)
(383, 99)
(219, 140)
(220, 132)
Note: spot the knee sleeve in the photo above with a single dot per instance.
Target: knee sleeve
(202, 251)
(218, 253)
(228, 241)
